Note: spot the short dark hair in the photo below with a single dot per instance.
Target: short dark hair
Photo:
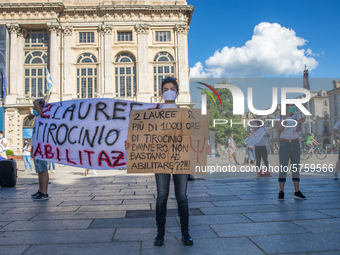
(171, 80)
(1, 132)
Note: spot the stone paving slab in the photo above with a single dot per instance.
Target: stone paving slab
(216, 219)
(334, 212)
(298, 242)
(256, 229)
(215, 246)
(13, 250)
(241, 209)
(130, 223)
(89, 208)
(47, 225)
(17, 216)
(80, 215)
(196, 232)
(152, 213)
(286, 216)
(44, 209)
(139, 234)
(4, 223)
(121, 248)
(320, 225)
(57, 236)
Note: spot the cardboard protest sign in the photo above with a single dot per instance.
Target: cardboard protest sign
(255, 137)
(87, 133)
(167, 141)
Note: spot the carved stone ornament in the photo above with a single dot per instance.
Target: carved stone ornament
(106, 29)
(142, 28)
(13, 27)
(182, 28)
(22, 32)
(53, 28)
(68, 30)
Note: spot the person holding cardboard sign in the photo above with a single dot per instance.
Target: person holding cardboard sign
(169, 91)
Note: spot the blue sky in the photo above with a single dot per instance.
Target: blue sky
(220, 23)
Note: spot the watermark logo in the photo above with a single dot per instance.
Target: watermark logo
(238, 99)
(204, 101)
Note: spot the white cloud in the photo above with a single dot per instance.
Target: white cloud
(273, 50)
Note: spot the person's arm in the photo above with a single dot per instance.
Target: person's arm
(127, 145)
(299, 124)
(29, 148)
(3, 143)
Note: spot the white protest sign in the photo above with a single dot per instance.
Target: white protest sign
(87, 133)
(255, 137)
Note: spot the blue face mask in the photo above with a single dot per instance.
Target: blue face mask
(292, 109)
(35, 112)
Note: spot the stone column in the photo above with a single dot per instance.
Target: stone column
(143, 89)
(183, 65)
(20, 64)
(13, 64)
(107, 60)
(67, 77)
(54, 62)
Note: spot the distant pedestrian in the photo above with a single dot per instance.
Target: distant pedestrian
(336, 141)
(289, 148)
(26, 155)
(3, 145)
(231, 148)
(261, 151)
(51, 165)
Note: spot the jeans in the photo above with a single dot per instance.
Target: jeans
(40, 165)
(163, 184)
(261, 152)
(27, 160)
(250, 154)
(51, 165)
(289, 151)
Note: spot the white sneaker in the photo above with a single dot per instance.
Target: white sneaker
(94, 172)
(53, 171)
(335, 177)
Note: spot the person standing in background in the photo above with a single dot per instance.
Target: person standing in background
(3, 145)
(231, 148)
(26, 155)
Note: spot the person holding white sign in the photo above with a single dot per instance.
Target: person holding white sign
(169, 91)
(289, 129)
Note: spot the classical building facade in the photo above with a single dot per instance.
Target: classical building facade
(115, 49)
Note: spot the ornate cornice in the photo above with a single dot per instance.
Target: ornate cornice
(142, 28)
(182, 28)
(105, 29)
(67, 30)
(13, 28)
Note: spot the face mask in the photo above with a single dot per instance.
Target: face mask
(292, 109)
(1, 136)
(169, 95)
(25, 142)
(35, 112)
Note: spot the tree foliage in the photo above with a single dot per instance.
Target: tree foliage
(225, 111)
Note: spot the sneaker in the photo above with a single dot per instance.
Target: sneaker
(281, 195)
(299, 195)
(94, 172)
(41, 196)
(35, 194)
(335, 177)
(238, 163)
(53, 171)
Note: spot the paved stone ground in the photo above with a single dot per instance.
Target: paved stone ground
(113, 213)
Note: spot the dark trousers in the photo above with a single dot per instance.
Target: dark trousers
(163, 184)
(261, 152)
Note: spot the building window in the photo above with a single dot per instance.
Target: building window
(334, 97)
(36, 60)
(163, 67)
(124, 36)
(325, 103)
(37, 39)
(87, 76)
(163, 36)
(325, 113)
(125, 75)
(86, 37)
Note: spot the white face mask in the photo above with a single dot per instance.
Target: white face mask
(169, 95)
